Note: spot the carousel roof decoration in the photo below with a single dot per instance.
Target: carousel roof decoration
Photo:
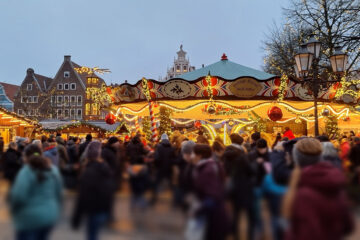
(228, 70)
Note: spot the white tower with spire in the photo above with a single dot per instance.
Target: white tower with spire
(181, 65)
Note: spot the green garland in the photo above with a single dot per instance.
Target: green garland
(87, 124)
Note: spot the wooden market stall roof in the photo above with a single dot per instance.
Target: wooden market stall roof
(12, 119)
(98, 126)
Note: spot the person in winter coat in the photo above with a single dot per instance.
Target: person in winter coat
(11, 162)
(316, 203)
(36, 197)
(110, 154)
(288, 134)
(184, 178)
(96, 193)
(241, 191)
(208, 180)
(229, 158)
(344, 152)
(51, 151)
(354, 154)
(83, 146)
(331, 155)
(164, 160)
(135, 151)
(259, 158)
(70, 165)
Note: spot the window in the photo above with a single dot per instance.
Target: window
(66, 86)
(36, 112)
(73, 86)
(59, 100)
(66, 74)
(72, 113)
(87, 109)
(66, 112)
(66, 100)
(53, 100)
(89, 80)
(59, 113)
(94, 80)
(23, 99)
(29, 87)
(30, 112)
(79, 113)
(35, 99)
(20, 111)
(88, 94)
(59, 87)
(177, 68)
(94, 109)
(79, 100)
(73, 100)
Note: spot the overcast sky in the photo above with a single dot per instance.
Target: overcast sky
(133, 38)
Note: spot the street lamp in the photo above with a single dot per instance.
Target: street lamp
(338, 61)
(307, 69)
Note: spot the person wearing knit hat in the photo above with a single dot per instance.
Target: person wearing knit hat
(316, 197)
(307, 151)
(164, 136)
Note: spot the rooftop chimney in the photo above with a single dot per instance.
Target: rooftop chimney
(29, 71)
(67, 58)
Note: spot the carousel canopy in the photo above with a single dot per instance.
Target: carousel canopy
(227, 70)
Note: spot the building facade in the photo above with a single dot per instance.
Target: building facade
(181, 65)
(7, 93)
(63, 97)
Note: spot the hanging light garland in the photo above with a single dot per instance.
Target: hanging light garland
(283, 84)
(146, 92)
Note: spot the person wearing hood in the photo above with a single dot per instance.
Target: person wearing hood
(96, 193)
(164, 160)
(316, 203)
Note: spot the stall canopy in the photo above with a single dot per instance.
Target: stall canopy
(12, 124)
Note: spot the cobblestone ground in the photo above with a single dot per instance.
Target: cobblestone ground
(158, 223)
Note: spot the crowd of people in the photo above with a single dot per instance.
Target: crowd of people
(302, 182)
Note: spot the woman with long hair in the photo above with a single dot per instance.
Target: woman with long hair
(35, 197)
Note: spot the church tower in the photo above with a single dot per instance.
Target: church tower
(181, 65)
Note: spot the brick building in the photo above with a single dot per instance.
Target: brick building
(67, 96)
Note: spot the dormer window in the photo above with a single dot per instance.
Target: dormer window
(29, 87)
(66, 74)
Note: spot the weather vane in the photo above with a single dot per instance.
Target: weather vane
(90, 71)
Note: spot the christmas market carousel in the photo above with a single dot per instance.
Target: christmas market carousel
(227, 97)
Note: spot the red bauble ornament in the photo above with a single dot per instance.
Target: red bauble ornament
(275, 113)
(110, 118)
(197, 124)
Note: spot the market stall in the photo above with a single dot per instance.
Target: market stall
(12, 124)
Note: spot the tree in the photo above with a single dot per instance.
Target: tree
(335, 23)
(165, 121)
(281, 46)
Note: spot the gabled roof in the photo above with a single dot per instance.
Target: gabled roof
(10, 90)
(227, 70)
(43, 81)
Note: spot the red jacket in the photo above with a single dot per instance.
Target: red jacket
(289, 134)
(320, 210)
